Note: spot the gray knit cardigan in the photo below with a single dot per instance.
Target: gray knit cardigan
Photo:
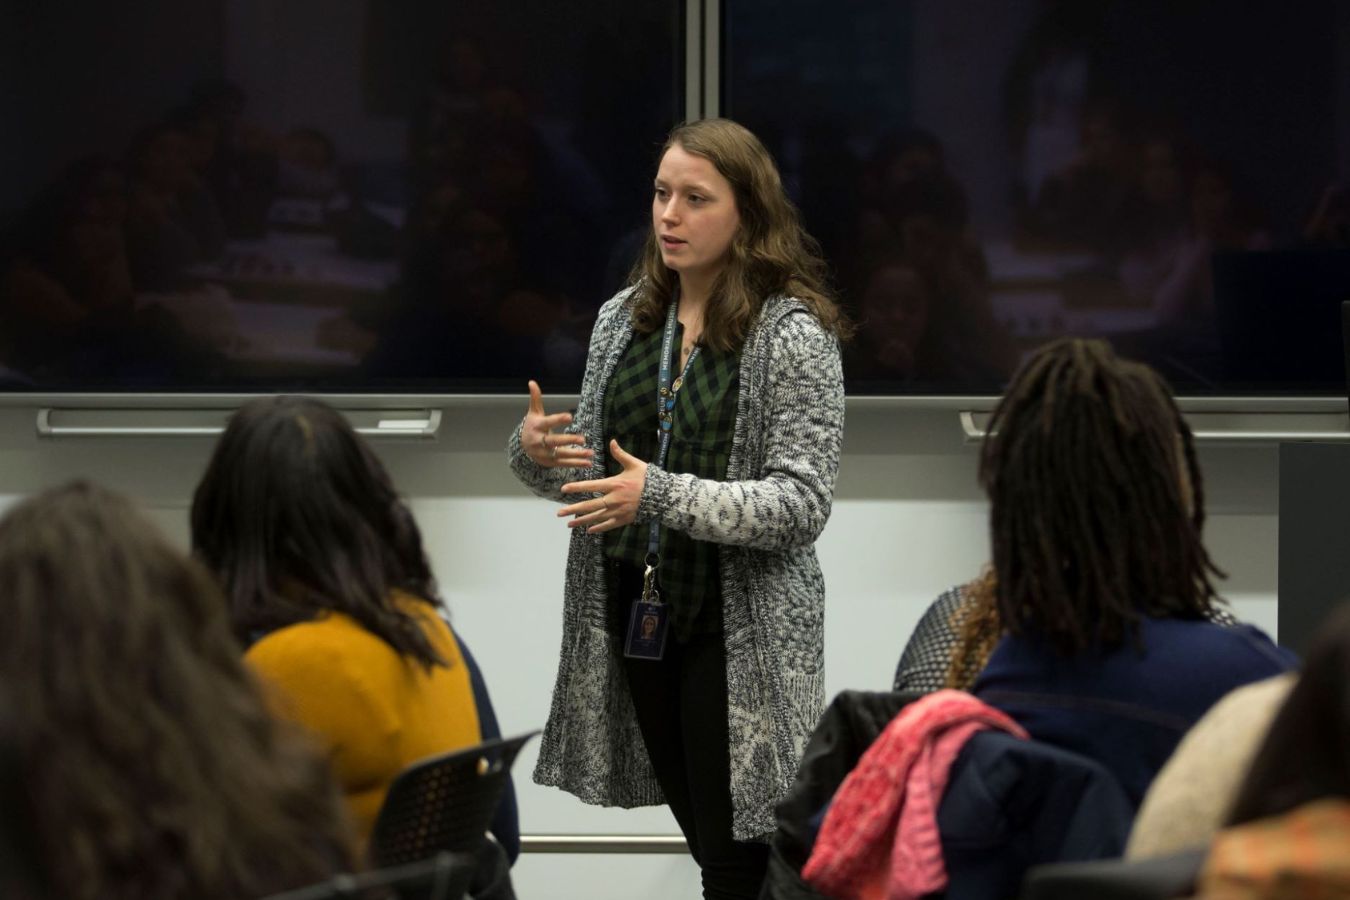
(766, 515)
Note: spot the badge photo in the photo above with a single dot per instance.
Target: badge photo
(647, 627)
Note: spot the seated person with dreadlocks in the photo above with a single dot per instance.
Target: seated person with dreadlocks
(1102, 598)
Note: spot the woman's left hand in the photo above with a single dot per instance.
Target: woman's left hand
(617, 504)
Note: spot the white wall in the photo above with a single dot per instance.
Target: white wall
(909, 521)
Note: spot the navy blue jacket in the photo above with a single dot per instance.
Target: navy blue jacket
(1127, 709)
(1012, 804)
(506, 820)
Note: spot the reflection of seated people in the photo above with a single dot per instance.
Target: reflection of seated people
(307, 164)
(1085, 204)
(307, 180)
(311, 196)
(1218, 221)
(894, 315)
(66, 296)
(69, 265)
(926, 313)
(898, 163)
(445, 118)
(1055, 69)
(1329, 224)
(1174, 228)
(466, 309)
(1157, 223)
(173, 221)
(901, 160)
(241, 166)
(514, 169)
(68, 270)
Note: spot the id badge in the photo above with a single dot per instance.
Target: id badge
(647, 628)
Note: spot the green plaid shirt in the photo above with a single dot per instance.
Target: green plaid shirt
(700, 444)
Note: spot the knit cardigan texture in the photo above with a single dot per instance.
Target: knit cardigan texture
(766, 516)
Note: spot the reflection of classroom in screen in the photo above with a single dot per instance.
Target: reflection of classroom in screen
(439, 200)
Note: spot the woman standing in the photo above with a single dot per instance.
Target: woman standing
(698, 471)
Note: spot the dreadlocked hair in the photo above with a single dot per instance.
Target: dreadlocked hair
(978, 629)
(1097, 501)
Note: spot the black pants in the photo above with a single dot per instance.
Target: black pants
(681, 704)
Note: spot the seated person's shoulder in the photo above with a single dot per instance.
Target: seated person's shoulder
(329, 631)
(1239, 646)
(1252, 641)
(329, 648)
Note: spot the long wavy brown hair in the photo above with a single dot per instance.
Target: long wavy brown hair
(154, 768)
(770, 255)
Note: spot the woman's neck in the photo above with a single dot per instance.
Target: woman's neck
(694, 295)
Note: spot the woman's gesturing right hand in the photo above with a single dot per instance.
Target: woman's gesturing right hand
(543, 445)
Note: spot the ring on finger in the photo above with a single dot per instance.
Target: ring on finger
(553, 452)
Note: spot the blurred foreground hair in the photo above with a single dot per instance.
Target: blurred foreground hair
(153, 767)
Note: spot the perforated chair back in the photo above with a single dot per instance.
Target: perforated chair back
(443, 802)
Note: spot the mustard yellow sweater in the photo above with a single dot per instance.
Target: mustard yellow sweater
(373, 711)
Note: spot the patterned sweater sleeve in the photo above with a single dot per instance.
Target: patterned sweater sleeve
(788, 505)
(928, 655)
(546, 482)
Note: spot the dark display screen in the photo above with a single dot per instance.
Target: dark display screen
(317, 195)
(420, 197)
(984, 176)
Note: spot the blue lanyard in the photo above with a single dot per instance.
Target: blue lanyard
(667, 392)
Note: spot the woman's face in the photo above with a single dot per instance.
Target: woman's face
(694, 214)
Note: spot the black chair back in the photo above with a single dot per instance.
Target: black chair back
(1162, 878)
(443, 803)
(848, 727)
